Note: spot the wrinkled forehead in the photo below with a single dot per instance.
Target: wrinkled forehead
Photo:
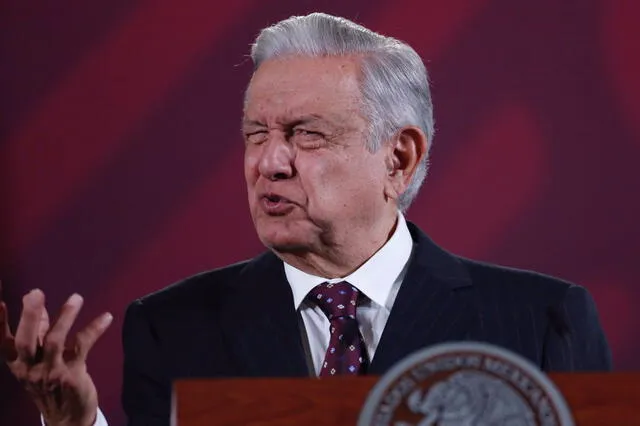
(303, 85)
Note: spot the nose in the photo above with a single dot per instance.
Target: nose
(276, 161)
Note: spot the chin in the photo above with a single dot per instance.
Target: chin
(281, 239)
(283, 243)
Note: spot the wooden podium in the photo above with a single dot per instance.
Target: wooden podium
(611, 399)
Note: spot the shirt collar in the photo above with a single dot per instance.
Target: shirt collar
(374, 278)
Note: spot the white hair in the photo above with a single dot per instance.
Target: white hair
(394, 84)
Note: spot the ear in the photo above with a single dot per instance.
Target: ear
(405, 151)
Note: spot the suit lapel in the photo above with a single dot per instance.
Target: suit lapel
(261, 324)
(435, 304)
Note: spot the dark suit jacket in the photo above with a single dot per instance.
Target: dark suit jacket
(240, 321)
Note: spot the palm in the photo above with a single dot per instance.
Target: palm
(53, 373)
(72, 401)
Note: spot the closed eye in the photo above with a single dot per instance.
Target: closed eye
(308, 139)
(256, 137)
(306, 132)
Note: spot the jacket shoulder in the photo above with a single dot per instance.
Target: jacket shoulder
(518, 284)
(202, 288)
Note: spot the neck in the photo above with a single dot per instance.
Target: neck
(342, 258)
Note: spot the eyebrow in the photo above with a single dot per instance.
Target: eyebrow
(311, 118)
(252, 123)
(305, 119)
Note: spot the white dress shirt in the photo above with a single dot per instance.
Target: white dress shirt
(379, 279)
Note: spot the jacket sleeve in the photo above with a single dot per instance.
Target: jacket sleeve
(575, 340)
(146, 389)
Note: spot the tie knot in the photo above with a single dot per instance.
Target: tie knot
(336, 300)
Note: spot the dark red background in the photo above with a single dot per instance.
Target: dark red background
(121, 157)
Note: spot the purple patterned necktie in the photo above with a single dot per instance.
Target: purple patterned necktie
(346, 354)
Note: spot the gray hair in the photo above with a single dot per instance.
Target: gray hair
(395, 85)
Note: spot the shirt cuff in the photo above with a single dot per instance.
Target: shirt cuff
(100, 420)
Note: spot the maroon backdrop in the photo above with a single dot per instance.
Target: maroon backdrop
(121, 156)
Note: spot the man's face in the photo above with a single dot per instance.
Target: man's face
(312, 183)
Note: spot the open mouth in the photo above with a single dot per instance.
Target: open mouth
(274, 198)
(275, 204)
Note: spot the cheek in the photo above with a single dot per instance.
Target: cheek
(360, 182)
(315, 178)
(250, 167)
(331, 183)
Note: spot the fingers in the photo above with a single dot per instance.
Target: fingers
(53, 344)
(86, 338)
(36, 340)
(7, 344)
(43, 327)
(26, 339)
(5, 332)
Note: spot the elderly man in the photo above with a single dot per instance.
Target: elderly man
(337, 128)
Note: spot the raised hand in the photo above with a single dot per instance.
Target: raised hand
(55, 375)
